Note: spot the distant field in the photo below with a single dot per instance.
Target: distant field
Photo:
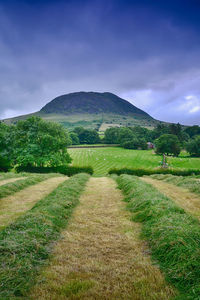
(103, 159)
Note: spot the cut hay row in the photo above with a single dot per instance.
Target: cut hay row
(190, 183)
(5, 181)
(9, 175)
(15, 205)
(190, 202)
(173, 235)
(26, 244)
(100, 255)
(13, 187)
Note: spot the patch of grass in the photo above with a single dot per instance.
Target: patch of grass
(13, 187)
(190, 183)
(173, 235)
(76, 287)
(26, 244)
(104, 159)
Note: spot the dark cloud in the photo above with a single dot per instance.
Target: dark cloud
(147, 53)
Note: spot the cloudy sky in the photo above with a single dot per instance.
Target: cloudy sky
(146, 51)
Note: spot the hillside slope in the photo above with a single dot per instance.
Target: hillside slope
(91, 110)
(91, 102)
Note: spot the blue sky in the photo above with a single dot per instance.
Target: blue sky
(147, 52)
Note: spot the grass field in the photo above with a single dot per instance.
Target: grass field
(103, 159)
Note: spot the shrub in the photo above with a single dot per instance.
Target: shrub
(66, 170)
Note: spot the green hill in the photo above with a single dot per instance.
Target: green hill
(92, 110)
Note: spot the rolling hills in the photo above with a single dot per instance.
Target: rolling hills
(92, 110)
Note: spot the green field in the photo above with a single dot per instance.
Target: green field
(103, 159)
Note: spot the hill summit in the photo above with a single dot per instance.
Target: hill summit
(92, 103)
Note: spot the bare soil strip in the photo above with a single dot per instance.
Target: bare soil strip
(5, 181)
(100, 255)
(13, 206)
(187, 200)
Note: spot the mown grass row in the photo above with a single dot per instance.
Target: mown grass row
(173, 235)
(26, 244)
(9, 175)
(13, 187)
(190, 183)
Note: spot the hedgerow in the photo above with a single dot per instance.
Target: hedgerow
(66, 170)
(141, 171)
(173, 235)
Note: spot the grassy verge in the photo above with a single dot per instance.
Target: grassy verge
(190, 183)
(174, 236)
(13, 187)
(25, 245)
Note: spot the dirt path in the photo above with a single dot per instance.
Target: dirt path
(13, 206)
(100, 255)
(5, 181)
(187, 200)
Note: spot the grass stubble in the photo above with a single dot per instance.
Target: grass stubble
(26, 244)
(172, 234)
(13, 206)
(100, 255)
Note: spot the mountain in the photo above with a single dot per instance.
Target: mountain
(92, 103)
(92, 110)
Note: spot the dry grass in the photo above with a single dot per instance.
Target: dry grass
(100, 255)
(187, 200)
(5, 181)
(13, 206)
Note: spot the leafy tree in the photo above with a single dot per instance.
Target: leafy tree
(193, 130)
(168, 144)
(135, 143)
(7, 137)
(112, 135)
(125, 134)
(87, 136)
(193, 146)
(74, 137)
(41, 143)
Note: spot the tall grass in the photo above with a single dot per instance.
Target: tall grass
(190, 183)
(9, 175)
(26, 244)
(173, 235)
(13, 187)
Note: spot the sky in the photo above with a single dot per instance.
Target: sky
(145, 51)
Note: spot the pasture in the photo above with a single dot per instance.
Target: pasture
(103, 159)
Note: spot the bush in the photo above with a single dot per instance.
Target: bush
(66, 170)
(141, 172)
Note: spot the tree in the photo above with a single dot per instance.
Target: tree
(125, 134)
(7, 137)
(193, 146)
(168, 144)
(193, 130)
(74, 137)
(112, 135)
(40, 143)
(135, 143)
